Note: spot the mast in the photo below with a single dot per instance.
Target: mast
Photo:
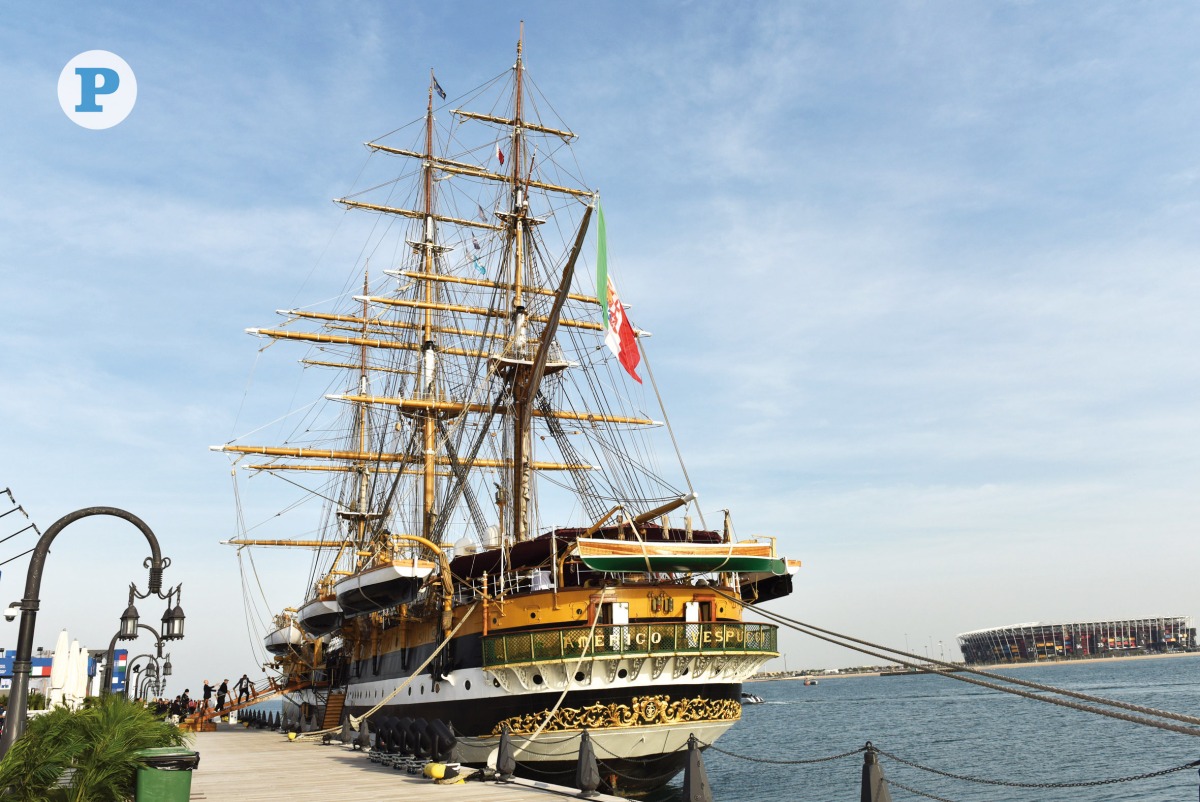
(361, 521)
(428, 348)
(521, 440)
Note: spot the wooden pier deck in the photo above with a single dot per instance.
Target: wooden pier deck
(241, 765)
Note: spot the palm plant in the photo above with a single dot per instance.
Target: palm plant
(89, 755)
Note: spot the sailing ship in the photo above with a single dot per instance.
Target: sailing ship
(498, 532)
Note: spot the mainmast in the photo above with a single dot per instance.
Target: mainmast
(522, 442)
(428, 368)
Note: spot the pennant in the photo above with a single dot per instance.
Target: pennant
(618, 331)
(438, 87)
(499, 153)
(482, 214)
(475, 242)
(479, 267)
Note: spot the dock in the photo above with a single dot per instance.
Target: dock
(246, 765)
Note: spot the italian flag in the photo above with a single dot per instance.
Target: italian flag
(618, 332)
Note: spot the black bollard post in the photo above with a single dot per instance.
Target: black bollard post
(695, 778)
(587, 773)
(363, 742)
(506, 761)
(874, 784)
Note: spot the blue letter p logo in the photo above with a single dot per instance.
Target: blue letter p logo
(97, 75)
(89, 87)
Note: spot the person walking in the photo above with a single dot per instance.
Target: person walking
(243, 689)
(208, 692)
(222, 692)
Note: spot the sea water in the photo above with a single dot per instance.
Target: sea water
(964, 729)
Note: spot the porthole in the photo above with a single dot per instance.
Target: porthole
(410, 691)
(494, 620)
(496, 682)
(437, 687)
(537, 679)
(467, 685)
(622, 673)
(533, 615)
(683, 673)
(579, 676)
(423, 687)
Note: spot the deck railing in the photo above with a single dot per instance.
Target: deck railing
(549, 645)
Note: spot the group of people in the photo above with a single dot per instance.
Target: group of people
(184, 705)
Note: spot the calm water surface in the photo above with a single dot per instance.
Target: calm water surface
(964, 729)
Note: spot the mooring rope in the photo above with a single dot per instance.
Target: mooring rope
(355, 721)
(846, 642)
(567, 685)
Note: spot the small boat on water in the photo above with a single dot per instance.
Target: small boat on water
(752, 699)
(810, 682)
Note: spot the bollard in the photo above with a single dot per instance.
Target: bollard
(874, 785)
(695, 778)
(363, 742)
(347, 736)
(506, 761)
(587, 774)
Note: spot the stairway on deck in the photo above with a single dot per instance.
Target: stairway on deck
(333, 711)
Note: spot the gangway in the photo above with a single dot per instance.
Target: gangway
(260, 692)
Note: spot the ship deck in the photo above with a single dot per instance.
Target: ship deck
(241, 765)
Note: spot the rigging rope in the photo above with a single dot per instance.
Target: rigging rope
(845, 641)
(356, 720)
(670, 431)
(567, 686)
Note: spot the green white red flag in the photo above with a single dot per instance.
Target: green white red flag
(618, 332)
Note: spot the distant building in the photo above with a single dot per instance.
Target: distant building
(39, 672)
(1027, 643)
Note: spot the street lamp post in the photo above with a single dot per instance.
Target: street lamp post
(159, 640)
(30, 603)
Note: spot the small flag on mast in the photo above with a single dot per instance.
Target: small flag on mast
(438, 87)
(499, 153)
(618, 331)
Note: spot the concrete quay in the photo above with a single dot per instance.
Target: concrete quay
(243, 765)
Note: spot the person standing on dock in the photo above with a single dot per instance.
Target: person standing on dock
(243, 689)
(222, 692)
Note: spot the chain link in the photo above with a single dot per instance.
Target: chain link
(1011, 784)
(857, 751)
(925, 794)
(668, 775)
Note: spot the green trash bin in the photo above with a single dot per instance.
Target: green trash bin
(166, 775)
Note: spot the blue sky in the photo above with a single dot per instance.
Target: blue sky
(922, 279)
